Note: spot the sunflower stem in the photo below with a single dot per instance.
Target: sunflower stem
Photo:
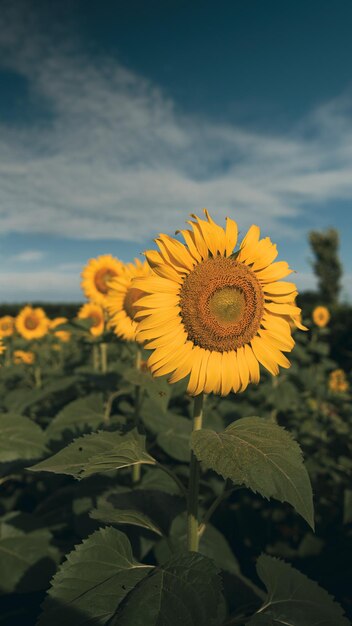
(136, 469)
(193, 489)
(104, 357)
(38, 376)
(95, 357)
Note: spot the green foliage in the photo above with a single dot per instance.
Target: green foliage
(97, 452)
(27, 558)
(185, 590)
(261, 455)
(151, 509)
(93, 581)
(21, 439)
(293, 598)
(93, 423)
(77, 417)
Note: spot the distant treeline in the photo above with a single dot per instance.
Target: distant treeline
(52, 309)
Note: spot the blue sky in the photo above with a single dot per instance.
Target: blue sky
(119, 119)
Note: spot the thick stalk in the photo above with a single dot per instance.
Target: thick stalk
(193, 490)
(104, 357)
(95, 353)
(37, 376)
(136, 469)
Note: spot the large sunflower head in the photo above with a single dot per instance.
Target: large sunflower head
(215, 314)
(7, 326)
(32, 323)
(94, 312)
(321, 316)
(121, 298)
(63, 335)
(96, 276)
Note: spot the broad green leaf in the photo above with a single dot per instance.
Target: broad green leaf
(293, 599)
(173, 431)
(77, 417)
(89, 586)
(212, 545)
(20, 438)
(27, 559)
(19, 401)
(98, 452)
(185, 590)
(157, 389)
(151, 509)
(155, 478)
(110, 515)
(261, 455)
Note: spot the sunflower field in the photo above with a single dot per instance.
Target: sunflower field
(178, 451)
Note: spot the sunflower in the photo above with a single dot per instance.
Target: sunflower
(96, 276)
(214, 314)
(7, 326)
(338, 381)
(321, 316)
(32, 323)
(121, 298)
(2, 347)
(95, 312)
(63, 335)
(23, 356)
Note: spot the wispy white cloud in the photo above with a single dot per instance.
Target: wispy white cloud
(50, 285)
(114, 158)
(27, 256)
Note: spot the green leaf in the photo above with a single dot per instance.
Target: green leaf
(110, 515)
(20, 439)
(20, 400)
(151, 509)
(155, 478)
(77, 417)
(185, 590)
(173, 431)
(98, 452)
(92, 582)
(261, 455)
(212, 545)
(27, 560)
(293, 599)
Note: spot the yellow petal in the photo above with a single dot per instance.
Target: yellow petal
(213, 378)
(199, 240)
(226, 373)
(275, 271)
(231, 234)
(242, 368)
(189, 239)
(249, 243)
(282, 309)
(279, 288)
(196, 363)
(263, 355)
(252, 363)
(202, 372)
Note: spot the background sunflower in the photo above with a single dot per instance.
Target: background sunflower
(7, 325)
(321, 316)
(121, 299)
(94, 312)
(96, 276)
(32, 323)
